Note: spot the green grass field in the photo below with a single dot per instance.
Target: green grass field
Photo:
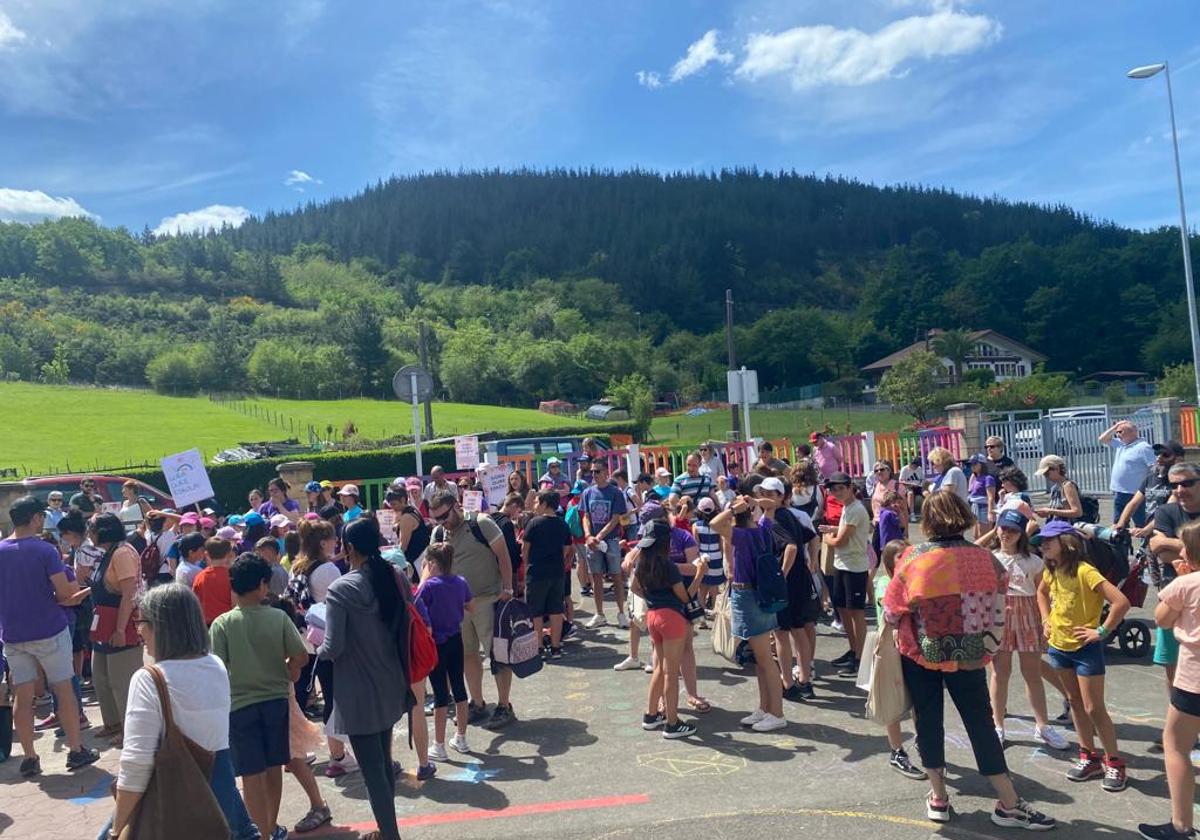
(56, 429)
(796, 424)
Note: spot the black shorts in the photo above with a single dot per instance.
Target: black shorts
(804, 605)
(82, 631)
(850, 590)
(1186, 701)
(544, 597)
(258, 736)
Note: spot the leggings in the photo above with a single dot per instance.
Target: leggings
(324, 672)
(374, 754)
(111, 673)
(969, 693)
(447, 677)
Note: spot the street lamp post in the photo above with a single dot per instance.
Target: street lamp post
(1147, 72)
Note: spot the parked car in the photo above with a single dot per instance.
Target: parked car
(1027, 443)
(561, 446)
(108, 488)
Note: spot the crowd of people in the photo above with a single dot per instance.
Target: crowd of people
(245, 631)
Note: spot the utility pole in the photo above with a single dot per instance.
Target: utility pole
(423, 350)
(737, 422)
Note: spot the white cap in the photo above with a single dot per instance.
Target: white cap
(663, 471)
(773, 484)
(280, 521)
(348, 490)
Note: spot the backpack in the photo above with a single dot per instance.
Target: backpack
(298, 591)
(574, 521)
(150, 561)
(510, 538)
(770, 585)
(513, 641)
(1091, 509)
(439, 533)
(422, 649)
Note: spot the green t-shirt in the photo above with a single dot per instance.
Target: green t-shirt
(882, 579)
(254, 643)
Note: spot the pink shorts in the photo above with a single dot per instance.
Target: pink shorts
(665, 624)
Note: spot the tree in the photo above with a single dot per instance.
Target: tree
(1178, 381)
(911, 385)
(57, 371)
(173, 372)
(954, 345)
(362, 329)
(635, 395)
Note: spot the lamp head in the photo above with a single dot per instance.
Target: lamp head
(1146, 71)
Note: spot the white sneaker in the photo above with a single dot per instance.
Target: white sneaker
(648, 667)
(628, 664)
(438, 753)
(459, 744)
(622, 621)
(1051, 737)
(796, 674)
(837, 625)
(753, 718)
(1000, 734)
(598, 620)
(769, 723)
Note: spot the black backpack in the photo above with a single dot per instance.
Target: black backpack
(1091, 509)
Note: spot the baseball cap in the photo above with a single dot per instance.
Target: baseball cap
(707, 505)
(836, 478)
(280, 521)
(772, 484)
(652, 532)
(1055, 528)
(312, 487)
(251, 519)
(650, 512)
(327, 484)
(413, 482)
(977, 458)
(1050, 462)
(57, 494)
(234, 520)
(663, 471)
(348, 490)
(551, 462)
(190, 519)
(228, 533)
(312, 516)
(1012, 519)
(207, 522)
(813, 437)
(1172, 446)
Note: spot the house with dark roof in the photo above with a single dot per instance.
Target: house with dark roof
(1006, 358)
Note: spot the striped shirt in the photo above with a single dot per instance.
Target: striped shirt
(696, 486)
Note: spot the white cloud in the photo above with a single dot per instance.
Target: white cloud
(35, 205)
(700, 54)
(9, 33)
(809, 56)
(649, 79)
(297, 177)
(212, 217)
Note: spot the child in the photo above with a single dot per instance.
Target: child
(545, 549)
(709, 542)
(1022, 630)
(191, 559)
(268, 549)
(1179, 610)
(263, 652)
(899, 760)
(211, 585)
(446, 597)
(1071, 596)
(981, 493)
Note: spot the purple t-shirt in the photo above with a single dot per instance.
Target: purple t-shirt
(747, 544)
(267, 509)
(29, 609)
(889, 527)
(681, 541)
(445, 599)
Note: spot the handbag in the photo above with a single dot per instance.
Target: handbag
(179, 784)
(693, 609)
(888, 699)
(724, 644)
(866, 665)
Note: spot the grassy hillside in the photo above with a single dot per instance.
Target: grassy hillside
(796, 424)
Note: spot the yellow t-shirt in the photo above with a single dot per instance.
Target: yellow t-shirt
(1074, 602)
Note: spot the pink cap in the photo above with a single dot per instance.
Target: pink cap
(207, 522)
(190, 519)
(414, 483)
(348, 490)
(311, 516)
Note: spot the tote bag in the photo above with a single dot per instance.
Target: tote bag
(723, 642)
(887, 699)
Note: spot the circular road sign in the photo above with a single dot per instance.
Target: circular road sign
(402, 383)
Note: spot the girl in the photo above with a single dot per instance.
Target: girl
(1179, 609)
(657, 580)
(447, 598)
(1022, 630)
(981, 493)
(519, 484)
(709, 542)
(899, 761)
(1071, 596)
(723, 492)
(255, 500)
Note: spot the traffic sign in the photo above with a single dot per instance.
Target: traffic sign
(743, 386)
(402, 383)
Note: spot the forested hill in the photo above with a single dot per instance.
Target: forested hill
(667, 239)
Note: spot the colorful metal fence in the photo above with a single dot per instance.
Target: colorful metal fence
(1187, 426)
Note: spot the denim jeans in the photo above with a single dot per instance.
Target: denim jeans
(1122, 499)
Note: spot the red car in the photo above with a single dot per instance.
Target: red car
(108, 488)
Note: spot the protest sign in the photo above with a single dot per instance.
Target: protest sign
(494, 479)
(387, 524)
(466, 452)
(187, 479)
(472, 501)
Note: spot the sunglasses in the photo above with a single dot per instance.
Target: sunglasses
(882, 469)
(992, 446)
(443, 516)
(831, 486)
(1187, 482)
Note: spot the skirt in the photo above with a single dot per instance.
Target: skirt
(747, 618)
(304, 736)
(1022, 625)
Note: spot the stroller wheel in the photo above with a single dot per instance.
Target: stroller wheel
(1134, 638)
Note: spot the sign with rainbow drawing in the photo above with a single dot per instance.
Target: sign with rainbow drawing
(187, 479)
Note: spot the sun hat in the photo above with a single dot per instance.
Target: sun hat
(1054, 528)
(1050, 462)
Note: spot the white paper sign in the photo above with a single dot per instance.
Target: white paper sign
(495, 482)
(472, 501)
(111, 507)
(387, 524)
(466, 452)
(187, 479)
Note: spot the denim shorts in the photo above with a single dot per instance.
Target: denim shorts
(605, 560)
(54, 655)
(1088, 661)
(747, 618)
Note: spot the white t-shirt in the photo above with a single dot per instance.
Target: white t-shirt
(199, 691)
(852, 555)
(186, 572)
(1023, 572)
(319, 580)
(432, 488)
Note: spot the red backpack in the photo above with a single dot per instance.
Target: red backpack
(422, 649)
(151, 561)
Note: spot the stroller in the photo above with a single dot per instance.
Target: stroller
(1109, 550)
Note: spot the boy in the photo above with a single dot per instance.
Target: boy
(212, 584)
(268, 549)
(264, 653)
(191, 559)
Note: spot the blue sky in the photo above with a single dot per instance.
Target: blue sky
(176, 115)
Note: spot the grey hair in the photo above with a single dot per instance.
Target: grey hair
(173, 612)
(1184, 467)
(442, 497)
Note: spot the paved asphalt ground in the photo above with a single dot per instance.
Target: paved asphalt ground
(577, 765)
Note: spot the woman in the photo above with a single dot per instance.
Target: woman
(133, 509)
(116, 651)
(1065, 504)
(412, 532)
(685, 554)
(366, 639)
(949, 476)
(172, 626)
(657, 580)
(885, 483)
(415, 490)
(519, 484)
(255, 499)
(807, 496)
(946, 601)
(278, 502)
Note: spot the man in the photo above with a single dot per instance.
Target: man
(767, 463)
(602, 508)
(554, 478)
(711, 464)
(438, 484)
(849, 540)
(1155, 490)
(826, 454)
(996, 457)
(36, 632)
(480, 556)
(545, 551)
(1132, 460)
(54, 512)
(1169, 518)
(691, 483)
(87, 501)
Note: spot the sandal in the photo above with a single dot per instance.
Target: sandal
(699, 704)
(314, 819)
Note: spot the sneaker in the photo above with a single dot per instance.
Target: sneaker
(459, 744)
(502, 716)
(585, 590)
(849, 669)
(82, 757)
(622, 621)
(314, 819)
(569, 632)
(1087, 767)
(652, 722)
(279, 832)
(556, 652)
(477, 714)
(795, 673)
(678, 730)
(1051, 737)
(648, 667)
(598, 620)
(31, 767)
(48, 722)
(1166, 831)
(901, 763)
(753, 718)
(806, 691)
(628, 664)
(792, 693)
(1114, 775)
(340, 767)
(769, 723)
(1064, 717)
(848, 656)
(437, 752)
(937, 811)
(1022, 815)
(838, 626)
(426, 773)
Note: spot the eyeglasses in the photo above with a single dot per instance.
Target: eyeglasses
(1187, 482)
